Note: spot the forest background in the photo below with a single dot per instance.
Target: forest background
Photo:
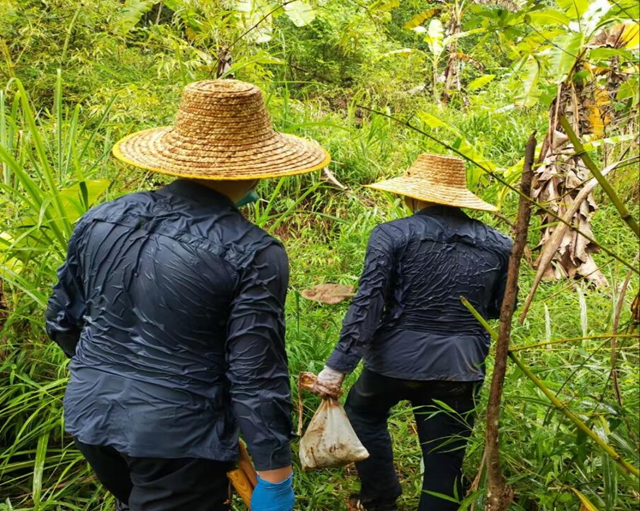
(476, 78)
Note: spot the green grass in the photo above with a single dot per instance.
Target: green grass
(53, 146)
(325, 231)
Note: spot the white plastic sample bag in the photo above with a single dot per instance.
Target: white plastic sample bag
(330, 440)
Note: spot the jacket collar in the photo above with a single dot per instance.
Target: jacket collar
(442, 210)
(200, 193)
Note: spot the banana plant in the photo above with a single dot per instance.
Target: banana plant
(440, 47)
(443, 39)
(578, 59)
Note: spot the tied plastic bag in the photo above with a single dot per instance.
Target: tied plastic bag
(330, 440)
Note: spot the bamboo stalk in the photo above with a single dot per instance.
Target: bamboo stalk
(628, 467)
(606, 186)
(572, 339)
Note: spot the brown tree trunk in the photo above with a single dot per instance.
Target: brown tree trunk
(499, 495)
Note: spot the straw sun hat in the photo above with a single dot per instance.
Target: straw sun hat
(438, 179)
(222, 132)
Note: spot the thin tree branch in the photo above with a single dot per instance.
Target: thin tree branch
(499, 495)
(572, 339)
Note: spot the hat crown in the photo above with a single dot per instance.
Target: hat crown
(229, 110)
(222, 131)
(439, 170)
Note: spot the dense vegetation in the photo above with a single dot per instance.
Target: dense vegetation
(479, 77)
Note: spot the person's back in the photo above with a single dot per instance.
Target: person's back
(161, 271)
(438, 256)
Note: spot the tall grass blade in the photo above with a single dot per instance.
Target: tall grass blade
(585, 503)
(584, 316)
(94, 132)
(547, 324)
(6, 176)
(38, 469)
(57, 101)
(10, 276)
(47, 171)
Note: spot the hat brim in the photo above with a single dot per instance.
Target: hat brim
(420, 189)
(163, 150)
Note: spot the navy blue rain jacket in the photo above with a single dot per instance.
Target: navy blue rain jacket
(407, 320)
(170, 305)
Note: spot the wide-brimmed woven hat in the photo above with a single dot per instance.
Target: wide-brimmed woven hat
(222, 132)
(438, 179)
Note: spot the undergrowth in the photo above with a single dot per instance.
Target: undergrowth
(325, 231)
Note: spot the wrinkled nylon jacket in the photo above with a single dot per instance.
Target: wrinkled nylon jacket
(171, 305)
(407, 320)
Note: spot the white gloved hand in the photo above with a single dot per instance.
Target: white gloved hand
(328, 384)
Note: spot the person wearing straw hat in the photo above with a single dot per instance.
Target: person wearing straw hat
(170, 305)
(418, 341)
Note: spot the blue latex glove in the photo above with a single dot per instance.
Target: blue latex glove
(273, 496)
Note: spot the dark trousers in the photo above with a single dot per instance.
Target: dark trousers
(155, 484)
(443, 435)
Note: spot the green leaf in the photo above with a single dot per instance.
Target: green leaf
(433, 122)
(480, 82)
(624, 10)
(420, 18)
(618, 139)
(629, 89)
(442, 496)
(530, 94)
(608, 53)
(300, 13)
(435, 36)
(610, 477)
(564, 55)
(574, 8)
(77, 199)
(445, 406)
(26, 285)
(548, 17)
(132, 13)
(460, 35)
(384, 5)
(475, 173)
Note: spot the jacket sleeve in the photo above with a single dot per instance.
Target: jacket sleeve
(257, 361)
(501, 286)
(365, 312)
(66, 306)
